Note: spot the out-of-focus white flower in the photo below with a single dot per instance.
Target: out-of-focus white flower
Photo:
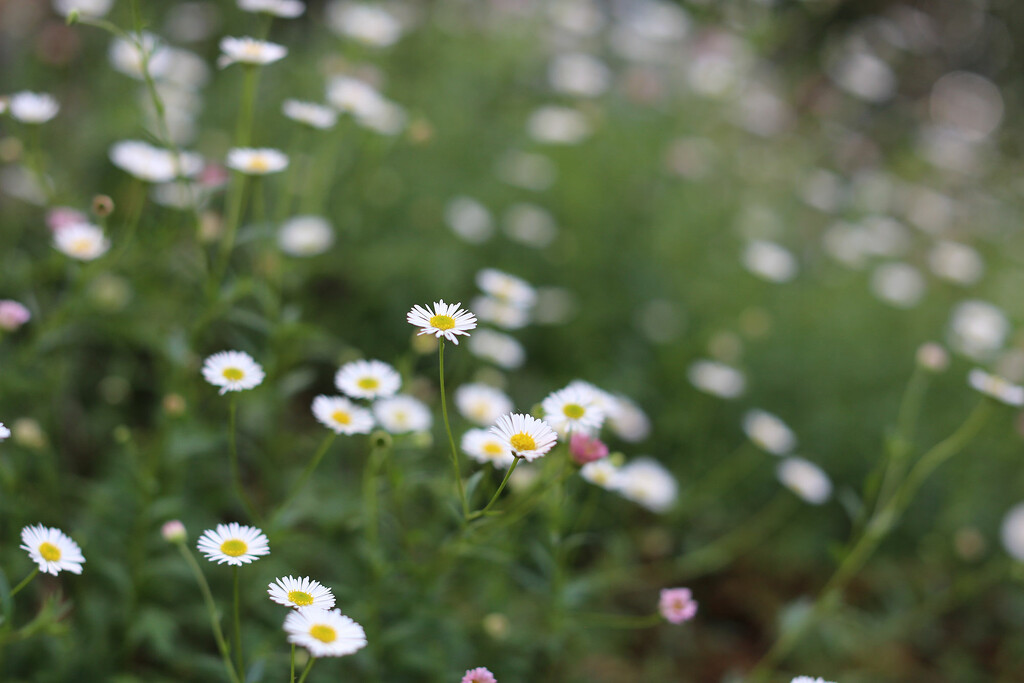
(286, 9)
(769, 261)
(932, 357)
(761, 111)
(368, 379)
(885, 236)
(499, 348)
(898, 284)
(864, 75)
(956, 262)
(823, 190)
(500, 313)
(601, 473)
(310, 113)
(469, 219)
(31, 107)
(645, 481)
(978, 329)
(401, 414)
(717, 379)
(529, 171)
(1012, 532)
(81, 241)
(305, 236)
(996, 387)
(967, 103)
(126, 55)
(808, 679)
(486, 447)
(719, 64)
(629, 421)
(87, 8)
(341, 415)
(482, 403)
(4, 432)
(768, 432)
(249, 51)
(558, 126)
(580, 74)
(805, 479)
(529, 224)
(154, 164)
(253, 161)
(369, 108)
(366, 23)
(507, 288)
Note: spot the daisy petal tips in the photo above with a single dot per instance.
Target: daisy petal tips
(51, 549)
(233, 544)
(524, 435)
(442, 320)
(232, 371)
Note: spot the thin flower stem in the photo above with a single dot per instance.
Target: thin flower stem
(451, 439)
(238, 629)
(235, 198)
(291, 678)
(494, 498)
(617, 620)
(35, 163)
(300, 483)
(236, 477)
(211, 609)
(24, 582)
(305, 671)
(902, 441)
(371, 505)
(250, 84)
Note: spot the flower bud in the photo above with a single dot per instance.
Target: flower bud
(174, 532)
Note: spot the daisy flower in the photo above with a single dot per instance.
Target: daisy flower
(325, 633)
(508, 288)
(601, 473)
(256, 161)
(501, 313)
(501, 349)
(233, 544)
(584, 448)
(304, 592)
(997, 387)
(369, 24)
(444, 320)
(572, 410)
(87, 8)
(13, 315)
(232, 371)
(51, 549)
(481, 674)
(677, 605)
(305, 236)
(154, 164)
(808, 679)
(629, 421)
(717, 379)
(249, 51)
(768, 432)
(481, 403)
(370, 379)
(4, 432)
(341, 415)
(402, 414)
(805, 479)
(286, 9)
(484, 447)
(1011, 532)
(30, 107)
(524, 435)
(310, 113)
(646, 482)
(82, 241)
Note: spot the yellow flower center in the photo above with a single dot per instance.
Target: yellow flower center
(442, 322)
(522, 442)
(573, 411)
(49, 551)
(341, 417)
(323, 633)
(301, 598)
(491, 448)
(368, 383)
(233, 374)
(234, 547)
(259, 164)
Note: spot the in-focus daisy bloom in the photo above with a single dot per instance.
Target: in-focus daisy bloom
(324, 633)
(805, 479)
(482, 403)
(286, 9)
(233, 544)
(31, 107)
(601, 473)
(443, 320)
(13, 315)
(481, 674)
(525, 435)
(677, 605)
(572, 410)
(484, 447)
(174, 531)
(401, 414)
(249, 51)
(304, 592)
(341, 415)
(507, 288)
(256, 161)
(647, 482)
(4, 432)
(232, 371)
(51, 549)
(997, 387)
(370, 379)
(305, 236)
(584, 448)
(768, 432)
(310, 113)
(82, 241)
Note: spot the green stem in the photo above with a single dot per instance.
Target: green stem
(300, 483)
(902, 441)
(238, 629)
(250, 84)
(235, 198)
(35, 162)
(305, 671)
(618, 620)
(451, 439)
(236, 476)
(371, 509)
(24, 582)
(211, 609)
(501, 487)
(291, 661)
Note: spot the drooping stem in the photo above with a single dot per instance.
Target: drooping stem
(451, 439)
(236, 476)
(24, 582)
(501, 487)
(305, 672)
(211, 610)
(300, 483)
(238, 629)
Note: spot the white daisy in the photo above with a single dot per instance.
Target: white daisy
(808, 679)
(304, 592)
(605, 402)
(257, 161)
(370, 24)
(525, 435)
(325, 633)
(286, 9)
(310, 113)
(4, 432)
(82, 241)
(154, 164)
(768, 432)
(87, 8)
(572, 410)
(805, 479)
(501, 313)
(249, 51)
(770, 261)
(501, 349)
(507, 288)
(601, 473)
(997, 387)
(717, 379)
(30, 107)
(558, 125)
(484, 447)
(647, 482)
(232, 371)
(370, 379)
(629, 421)
(130, 54)
(354, 96)
(444, 320)
(51, 549)
(305, 236)
(401, 414)
(482, 403)
(341, 415)
(233, 544)
(1012, 532)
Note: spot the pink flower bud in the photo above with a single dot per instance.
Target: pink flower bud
(174, 532)
(63, 216)
(586, 449)
(12, 315)
(677, 605)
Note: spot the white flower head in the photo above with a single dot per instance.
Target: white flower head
(249, 51)
(233, 544)
(482, 403)
(87, 8)
(443, 320)
(304, 236)
(645, 481)
(525, 435)
(506, 288)
(580, 74)
(997, 387)
(402, 413)
(285, 9)
(31, 107)
(304, 592)
(571, 410)
(768, 432)
(354, 96)
(558, 126)
(629, 421)
(82, 241)
(310, 113)
(805, 479)
(469, 219)
(770, 261)
(486, 447)
(370, 379)
(257, 161)
(131, 54)
(602, 473)
(500, 312)
(898, 284)
(324, 633)
(717, 379)
(5, 433)
(808, 679)
(154, 164)
(366, 23)
(499, 348)
(341, 415)
(1012, 532)
(51, 549)
(978, 329)
(232, 371)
